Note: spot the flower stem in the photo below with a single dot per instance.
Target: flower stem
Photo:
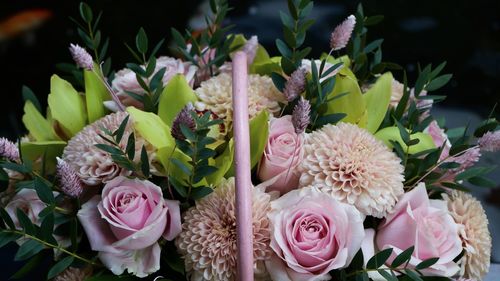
(50, 245)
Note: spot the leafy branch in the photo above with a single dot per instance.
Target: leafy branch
(295, 25)
(195, 147)
(211, 48)
(125, 158)
(147, 75)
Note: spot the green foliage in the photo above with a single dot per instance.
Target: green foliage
(125, 158)
(211, 48)
(366, 55)
(295, 25)
(198, 168)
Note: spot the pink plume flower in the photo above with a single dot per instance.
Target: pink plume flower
(82, 58)
(9, 149)
(342, 33)
(300, 115)
(490, 141)
(183, 118)
(70, 182)
(295, 85)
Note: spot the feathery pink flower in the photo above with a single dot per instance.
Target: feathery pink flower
(184, 117)
(295, 85)
(300, 115)
(9, 149)
(467, 159)
(490, 141)
(71, 183)
(342, 33)
(250, 49)
(82, 58)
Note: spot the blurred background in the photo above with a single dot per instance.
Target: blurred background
(35, 35)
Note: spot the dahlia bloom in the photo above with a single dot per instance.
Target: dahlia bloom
(215, 95)
(93, 165)
(208, 238)
(473, 230)
(354, 167)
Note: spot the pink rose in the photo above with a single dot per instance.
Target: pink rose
(282, 155)
(311, 234)
(426, 225)
(126, 81)
(125, 222)
(27, 201)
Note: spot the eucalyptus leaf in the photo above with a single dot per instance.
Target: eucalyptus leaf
(60, 266)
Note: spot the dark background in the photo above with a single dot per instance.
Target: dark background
(464, 33)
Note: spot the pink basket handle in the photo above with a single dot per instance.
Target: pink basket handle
(243, 167)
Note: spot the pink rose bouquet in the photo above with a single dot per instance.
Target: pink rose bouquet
(131, 173)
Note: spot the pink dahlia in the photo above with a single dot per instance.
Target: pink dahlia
(93, 165)
(353, 166)
(208, 238)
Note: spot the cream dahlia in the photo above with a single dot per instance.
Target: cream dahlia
(93, 165)
(353, 166)
(208, 238)
(470, 216)
(215, 95)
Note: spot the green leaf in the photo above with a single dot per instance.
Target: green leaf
(151, 128)
(279, 81)
(377, 100)
(259, 131)
(86, 12)
(438, 82)
(121, 129)
(402, 257)
(379, 259)
(66, 106)
(388, 276)
(483, 182)
(25, 222)
(373, 20)
(131, 146)
(474, 172)
(200, 192)
(223, 162)
(7, 237)
(393, 134)
(39, 127)
(178, 38)
(414, 276)
(28, 95)
(60, 266)
(6, 218)
(330, 119)
(176, 95)
(47, 228)
(485, 126)
(283, 48)
(28, 249)
(202, 172)
(352, 104)
(144, 162)
(184, 168)
(109, 149)
(95, 95)
(43, 191)
(426, 263)
(141, 41)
